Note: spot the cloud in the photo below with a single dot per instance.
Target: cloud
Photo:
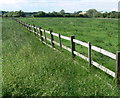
(97, 1)
(55, 5)
(101, 5)
(12, 2)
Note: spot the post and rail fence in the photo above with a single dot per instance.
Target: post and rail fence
(74, 53)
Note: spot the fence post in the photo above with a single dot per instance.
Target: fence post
(26, 25)
(52, 39)
(118, 67)
(41, 34)
(72, 46)
(34, 28)
(89, 53)
(45, 36)
(29, 27)
(60, 40)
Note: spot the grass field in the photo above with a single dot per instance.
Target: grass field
(100, 32)
(0, 57)
(30, 68)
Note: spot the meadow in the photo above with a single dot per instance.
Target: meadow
(30, 68)
(100, 32)
(0, 57)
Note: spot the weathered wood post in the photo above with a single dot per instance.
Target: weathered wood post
(89, 54)
(72, 46)
(52, 39)
(24, 24)
(41, 34)
(34, 28)
(118, 67)
(45, 37)
(29, 27)
(59, 36)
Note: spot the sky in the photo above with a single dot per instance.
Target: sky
(57, 5)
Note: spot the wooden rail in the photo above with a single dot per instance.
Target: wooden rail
(72, 49)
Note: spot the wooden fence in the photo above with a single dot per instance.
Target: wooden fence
(42, 35)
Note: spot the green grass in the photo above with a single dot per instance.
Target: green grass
(0, 56)
(30, 68)
(100, 32)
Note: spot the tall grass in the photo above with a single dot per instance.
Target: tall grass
(0, 56)
(100, 32)
(32, 69)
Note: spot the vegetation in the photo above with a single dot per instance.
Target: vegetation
(0, 57)
(32, 69)
(100, 32)
(88, 30)
(91, 13)
(14, 14)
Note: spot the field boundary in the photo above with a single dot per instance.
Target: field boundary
(44, 39)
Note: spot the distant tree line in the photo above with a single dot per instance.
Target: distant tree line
(13, 14)
(91, 13)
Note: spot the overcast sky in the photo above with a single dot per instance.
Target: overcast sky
(57, 5)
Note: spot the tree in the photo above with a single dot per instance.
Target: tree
(113, 14)
(62, 11)
(21, 13)
(105, 15)
(79, 12)
(40, 14)
(66, 15)
(75, 14)
(14, 14)
(18, 14)
(92, 13)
